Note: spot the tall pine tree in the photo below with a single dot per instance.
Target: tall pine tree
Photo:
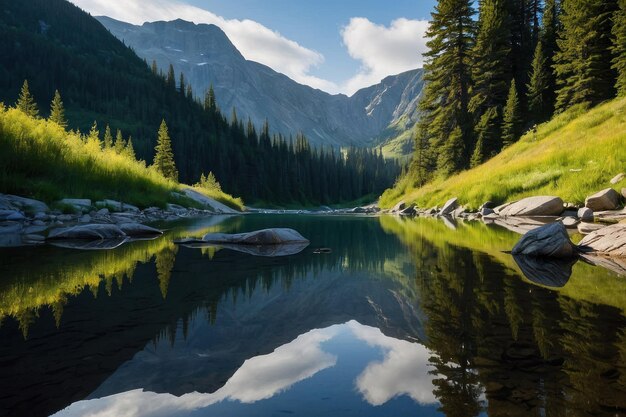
(539, 97)
(583, 64)
(488, 137)
(549, 34)
(512, 119)
(619, 47)
(164, 157)
(57, 111)
(445, 122)
(119, 142)
(108, 138)
(26, 102)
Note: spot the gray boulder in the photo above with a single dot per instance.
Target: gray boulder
(112, 205)
(585, 214)
(408, 211)
(87, 232)
(82, 205)
(534, 206)
(399, 207)
(449, 207)
(610, 240)
(11, 215)
(550, 240)
(138, 230)
(570, 222)
(586, 228)
(27, 205)
(607, 199)
(208, 202)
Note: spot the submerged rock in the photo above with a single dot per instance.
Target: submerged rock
(534, 206)
(259, 237)
(87, 232)
(550, 240)
(138, 230)
(610, 240)
(607, 199)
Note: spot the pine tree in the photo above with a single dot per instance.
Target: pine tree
(583, 64)
(619, 47)
(445, 120)
(164, 157)
(521, 41)
(209, 100)
(189, 92)
(512, 119)
(94, 135)
(129, 150)
(491, 70)
(538, 93)
(119, 142)
(488, 137)
(26, 102)
(171, 77)
(154, 68)
(181, 84)
(108, 138)
(57, 111)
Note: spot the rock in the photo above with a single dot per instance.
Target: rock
(80, 205)
(586, 228)
(39, 223)
(488, 205)
(129, 208)
(570, 222)
(616, 179)
(87, 232)
(11, 215)
(408, 211)
(33, 238)
(501, 207)
(521, 225)
(138, 230)
(399, 207)
(259, 237)
(550, 240)
(431, 211)
(65, 218)
(610, 240)
(175, 208)
(112, 205)
(41, 216)
(570, 213)
(86, 218)
(485, 211)
(27, 205)
(208, 202)
(610, 216)
(585, 214)
(607, 199)
(103, 212)
(458, 212)
(102, 244)
(624, 192)
(35, 229)
(449, 207)
(534, 206)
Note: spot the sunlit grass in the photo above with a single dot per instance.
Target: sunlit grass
(572, 156)
(40, 159)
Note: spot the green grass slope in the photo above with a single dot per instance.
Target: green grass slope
(40, 159)
(572, 156)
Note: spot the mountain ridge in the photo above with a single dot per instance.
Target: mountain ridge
(206, 56)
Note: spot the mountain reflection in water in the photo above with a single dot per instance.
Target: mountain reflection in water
(403, 317)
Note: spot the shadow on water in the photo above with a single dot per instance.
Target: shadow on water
(77, 325)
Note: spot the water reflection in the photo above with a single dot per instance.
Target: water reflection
(402, 317)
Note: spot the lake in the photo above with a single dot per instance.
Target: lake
(401, 317)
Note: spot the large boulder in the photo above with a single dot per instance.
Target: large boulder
(259, 237)
(449, 207)
(87, 232)
(534, 206)
(607, 199)
(139, 230)
(82, 205)
(13, 202)
(208, 202)
(11, 215)
(550, 240)
(610, 240)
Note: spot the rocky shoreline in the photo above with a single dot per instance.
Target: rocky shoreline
(25, 221)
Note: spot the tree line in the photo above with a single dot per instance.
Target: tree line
(493, 78)
(101, 79)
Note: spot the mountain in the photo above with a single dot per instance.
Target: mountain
(205, 55)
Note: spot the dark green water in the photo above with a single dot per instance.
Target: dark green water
(402, 318)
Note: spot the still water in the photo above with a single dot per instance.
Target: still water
(401, 318)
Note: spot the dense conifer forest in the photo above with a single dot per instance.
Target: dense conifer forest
(59, 48)
(497, 68)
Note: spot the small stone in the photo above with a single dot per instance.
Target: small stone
(570, 222)
(85, 218)
(618, 178)
(103, 212)
(39, 223)
(585, 214)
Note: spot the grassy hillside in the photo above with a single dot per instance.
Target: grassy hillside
(42, 160)
(572, 156)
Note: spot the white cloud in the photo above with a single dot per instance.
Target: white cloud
(255, 41)
(383, 50)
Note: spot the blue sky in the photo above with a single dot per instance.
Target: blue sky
(334, 45)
